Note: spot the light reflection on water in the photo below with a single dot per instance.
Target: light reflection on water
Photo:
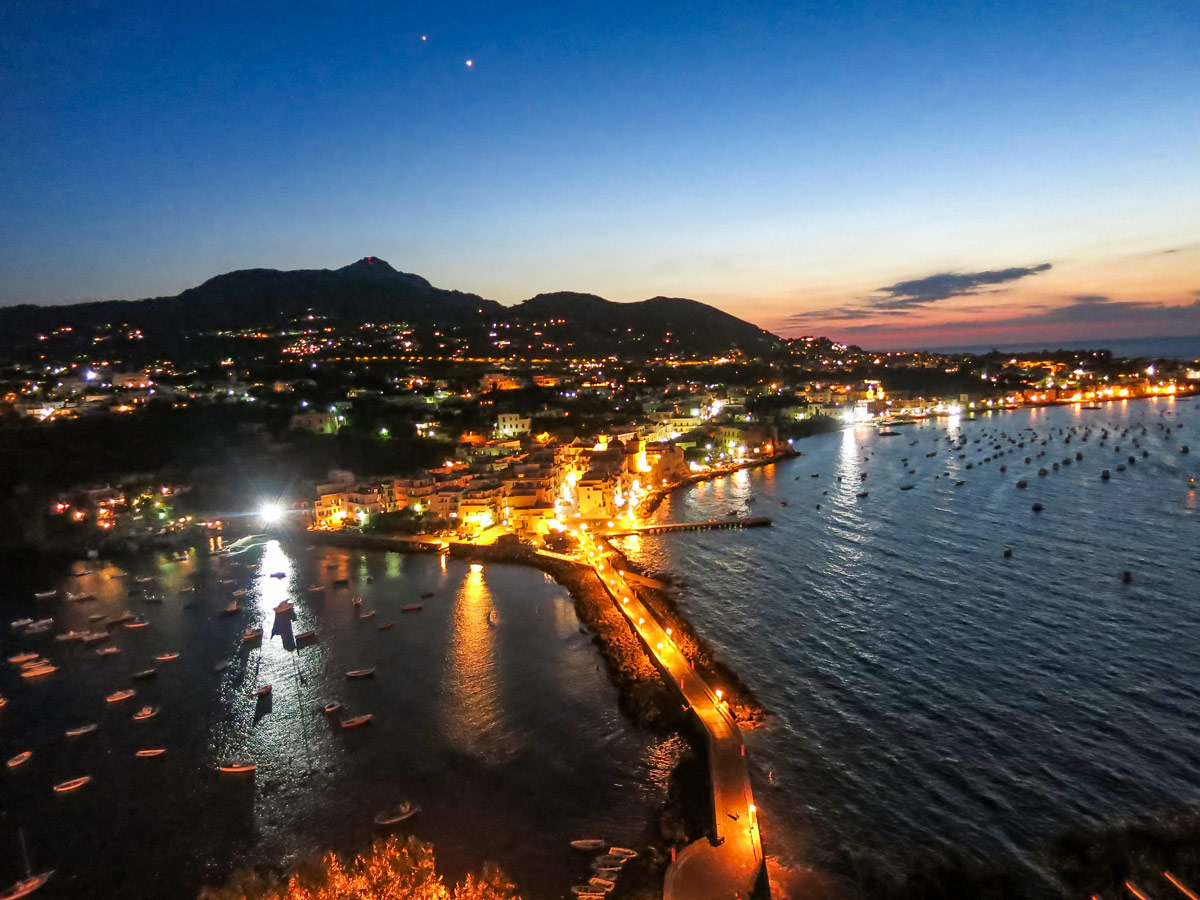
(507, 733)
(926, 691)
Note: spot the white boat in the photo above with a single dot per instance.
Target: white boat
(45, 595)
(404, 811)
(18, 624)
(588, 844)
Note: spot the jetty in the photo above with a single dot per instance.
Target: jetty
(730, 863)
(706, 525)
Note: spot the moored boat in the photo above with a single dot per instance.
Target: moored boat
(265, 690)
(361, 673)
(588, 844)
(118, 696)
(146, 712)
(66, 787)
(38, 671)
(250, 635)
(237, 768)
(26, 886)
(623, 852)
(166, 657)
(138, 622)
(144, 674)
(404, 811)
(20, 759)
(356, 721)
(23, 658)
(412, 607)
(305, 636)
(284, 608)
(82, 730)
(150, 752)
(45, 595)
(332, 707)
(108, 651)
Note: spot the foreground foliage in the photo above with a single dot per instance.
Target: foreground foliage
(393, 869)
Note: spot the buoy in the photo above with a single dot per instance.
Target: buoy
(1008, 552)
(1037, 507)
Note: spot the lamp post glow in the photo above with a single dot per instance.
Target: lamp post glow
(270, 513)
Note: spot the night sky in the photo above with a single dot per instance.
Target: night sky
(892, 174)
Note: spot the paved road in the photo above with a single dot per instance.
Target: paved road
(728, 869)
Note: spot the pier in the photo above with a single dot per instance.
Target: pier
(707, 525)
(730, 864)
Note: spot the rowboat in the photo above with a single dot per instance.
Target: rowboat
(588, 844)
(237, 768)
(66, 787)
(136, 623)
(586, 891)
(305, 636)
(366, 615)
(144, 579)
(22, 658)
(94, 637)
(264, 691)
(385, 626)
(412, 607)
(315, 588)
(146, 754)
(146, 712)
(69, 636)
(82, 730)
(623, 852)
(118, 696)
(144, 674)
(404, 811)
(355, 721)
(20, 759)
(283, 608)
(240, 592)
(361, 673)
(34, 663)
(250, 635)
(332, 707)
(166, 657)
(39, 670)
(231, 610)
(604, 883)
(45, 595)
(18, 624)
(108, 651)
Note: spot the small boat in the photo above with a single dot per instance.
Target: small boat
(45, 595)
(18, 624)
(20, 759)
(118, 696)
(250, 635)
(147, 754)
(66, 787)
(361, 673)
(907, 487)
(366, 615)
(265, 690)
(108, 651)
(608, 861)
(231, 610)
(623, 852)
(69, 636)
(332, 707)
(82, 730)
(144, 579)
(139, 622)
(283, 608)
(38, 671)
(586, 891)
(305, 636)
(3, 702)
(94, 637)
(240, 592)
(315, 588)
(385, 626)
(237, 768)
(146, 712)
(26, 886)
(588, 844)
(404, 811)
(605, 883)
(412, 607)
(34, 663)
(166, 657)
(187, 590)
(279, 574)
(861, 494)
(22, 658)
(143, 674)
(119, 618)
(355, 721)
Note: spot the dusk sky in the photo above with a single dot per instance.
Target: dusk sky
(888, 174)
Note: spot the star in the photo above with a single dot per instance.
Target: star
(470, 62)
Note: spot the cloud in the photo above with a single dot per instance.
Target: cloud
(920, 292)
(906, 297)
(1085, 312)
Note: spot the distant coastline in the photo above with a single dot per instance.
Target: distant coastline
(1166, 347)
